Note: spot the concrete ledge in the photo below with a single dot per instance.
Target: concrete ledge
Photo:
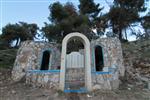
(101, 73)
(43, 71)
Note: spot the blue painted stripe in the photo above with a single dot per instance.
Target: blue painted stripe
(76, 91)
(101, 73)
(43, 71)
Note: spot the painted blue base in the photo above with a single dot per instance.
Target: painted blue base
(101, 73)
(82, 90)
(43, 71)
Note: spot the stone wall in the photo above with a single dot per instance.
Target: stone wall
(29, 57)
(46, 79)
(113, 64)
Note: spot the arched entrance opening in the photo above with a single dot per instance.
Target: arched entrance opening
(75, 65)
(45, 60)
(99, 61)
(85, 55)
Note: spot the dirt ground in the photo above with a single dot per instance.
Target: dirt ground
(10, 90)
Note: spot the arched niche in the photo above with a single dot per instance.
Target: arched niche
(105, 57)
(85, 41)
(45, 60)
(99, 59)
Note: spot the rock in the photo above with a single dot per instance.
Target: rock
(13, 92)
(137, 64)
(56, 95)
(115, 84)
(129, 88)
(95, 87)
(89, 96)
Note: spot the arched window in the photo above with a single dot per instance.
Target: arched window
(45, 60)
(99, 61)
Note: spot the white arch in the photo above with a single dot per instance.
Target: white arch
(84, 39)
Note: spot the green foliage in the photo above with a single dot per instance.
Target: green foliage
(123, 14)
(56, 32)
(146, 25)
(52, 32)
(19, 31)
(121, 18)
(3, 44)
(7, 58)
(57, 12)
(88, 7)
(146, 21)
(136, 5)
(66, 19)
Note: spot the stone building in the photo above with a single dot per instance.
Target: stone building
(98, 65)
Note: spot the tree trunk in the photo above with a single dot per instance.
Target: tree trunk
(17, 41)
(120, 34)
(126, 34)
(113, 28)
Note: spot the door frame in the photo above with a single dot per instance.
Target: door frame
(85, 41)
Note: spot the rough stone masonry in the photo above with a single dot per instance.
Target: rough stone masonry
(29, 57)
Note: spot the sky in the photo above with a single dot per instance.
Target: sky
(34, 11)
(31, 11)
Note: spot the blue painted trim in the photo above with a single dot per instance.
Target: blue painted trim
(83, 90)
(102, 73)
(43, 71)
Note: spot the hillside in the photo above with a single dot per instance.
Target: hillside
(7, 58)
(137, 62)
(134, 84)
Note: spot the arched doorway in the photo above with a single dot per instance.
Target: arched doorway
(45, 60)
(87, 59)
(99, 61)
(75, 65)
